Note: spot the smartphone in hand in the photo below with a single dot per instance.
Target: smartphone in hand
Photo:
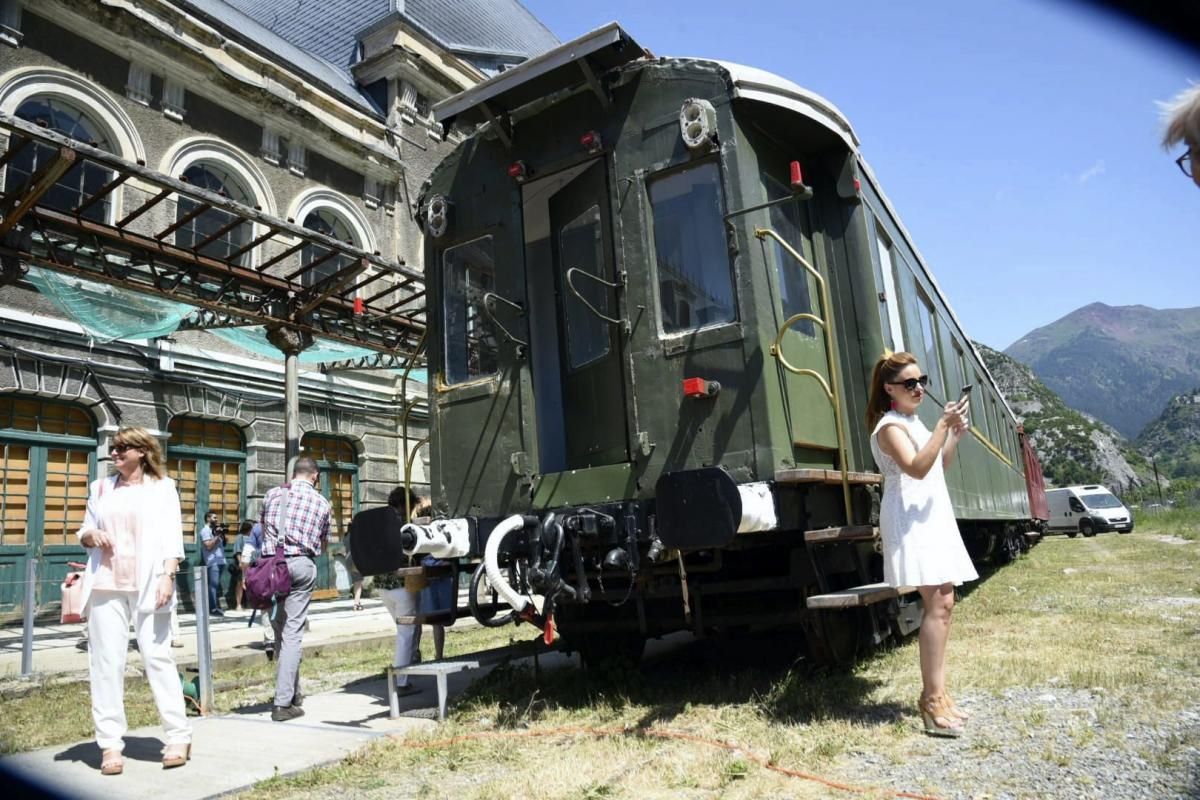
(966, 392)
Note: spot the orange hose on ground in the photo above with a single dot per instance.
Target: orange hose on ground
(762, 761)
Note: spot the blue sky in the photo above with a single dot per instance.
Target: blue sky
(1018, 139)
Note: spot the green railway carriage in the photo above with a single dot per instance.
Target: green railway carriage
(656, 291)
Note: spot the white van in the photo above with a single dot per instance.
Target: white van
(1088, 510)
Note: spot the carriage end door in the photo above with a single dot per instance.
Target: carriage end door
(590, 357)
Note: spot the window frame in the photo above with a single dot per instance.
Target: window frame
(482, 377)
(652, 248)
(205, 456)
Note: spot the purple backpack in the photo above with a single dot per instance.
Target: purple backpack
(268, 580)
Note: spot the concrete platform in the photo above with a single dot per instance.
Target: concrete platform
(233, 751)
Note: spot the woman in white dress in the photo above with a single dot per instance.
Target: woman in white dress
(921, 543)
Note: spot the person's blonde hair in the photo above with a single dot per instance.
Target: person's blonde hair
(152, 454)
(886, 369)
(1182, 115)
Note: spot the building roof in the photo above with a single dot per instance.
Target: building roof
(330, 28)
(263, 39)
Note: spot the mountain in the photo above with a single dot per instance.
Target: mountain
(1072, 447)
(1120, 364)
(1173, 439)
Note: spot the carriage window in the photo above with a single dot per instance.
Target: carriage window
(471, 343)
(789, 222)
(582, 247)
(695, 282)
(931, 358)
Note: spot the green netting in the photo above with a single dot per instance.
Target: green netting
(254, 339)
(106, 312)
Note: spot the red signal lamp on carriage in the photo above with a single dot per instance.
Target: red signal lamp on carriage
(591, 142)
(700, 387)
(519, 171)
(796, 180)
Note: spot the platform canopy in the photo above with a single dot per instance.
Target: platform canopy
(137, 276)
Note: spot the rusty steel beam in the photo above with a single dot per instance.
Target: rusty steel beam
(18, 202)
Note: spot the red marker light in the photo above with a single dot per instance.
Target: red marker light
(699, 387)
(358, 305)
(857, 185)
(590, 140)
(518, 171)
(797, 179)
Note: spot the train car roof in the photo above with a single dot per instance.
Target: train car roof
(751, 83)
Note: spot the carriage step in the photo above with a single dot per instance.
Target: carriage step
(825, 476)
(858, 596)
(845, 533)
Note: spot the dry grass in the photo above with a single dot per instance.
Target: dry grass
(1116, 615)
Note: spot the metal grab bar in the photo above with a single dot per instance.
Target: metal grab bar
(592, 308)
(487, 309)
(830, 387)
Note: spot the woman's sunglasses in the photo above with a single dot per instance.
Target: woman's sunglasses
(121, 448)
(911, 383)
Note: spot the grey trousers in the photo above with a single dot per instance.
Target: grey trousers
(289, 628)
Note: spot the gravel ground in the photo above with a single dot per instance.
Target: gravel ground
(1049, 743)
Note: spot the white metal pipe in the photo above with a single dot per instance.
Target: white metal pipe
(491, 564)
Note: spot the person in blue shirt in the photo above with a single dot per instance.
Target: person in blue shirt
(212, 548)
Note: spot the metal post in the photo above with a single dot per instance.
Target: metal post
(291, 398)
(30, 600)
(203, 643)
(1157, 485)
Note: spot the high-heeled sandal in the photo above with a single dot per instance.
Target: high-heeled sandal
(954, 710)
(935, 714)
(111, 762)
(176, 755)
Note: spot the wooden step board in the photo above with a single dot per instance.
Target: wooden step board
(825, 476)
(858, 596)
(845, 533)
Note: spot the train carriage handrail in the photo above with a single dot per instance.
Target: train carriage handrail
(571, 285)
(488, 297)
(830, 387)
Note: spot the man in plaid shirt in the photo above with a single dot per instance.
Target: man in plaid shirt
(296, 516)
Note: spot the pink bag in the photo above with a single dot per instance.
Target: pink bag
(72, 595)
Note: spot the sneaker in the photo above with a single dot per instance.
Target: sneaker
(284, 713)
(298, 699)
(216, 612)
(406, 690)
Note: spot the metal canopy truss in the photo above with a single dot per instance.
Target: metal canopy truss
(263, 282)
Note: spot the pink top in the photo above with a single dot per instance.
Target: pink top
(122, 521)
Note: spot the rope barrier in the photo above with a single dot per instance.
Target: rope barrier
(654, 733)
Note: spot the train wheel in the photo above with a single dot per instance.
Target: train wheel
(832, 637)
(1087, 528)
(1008, 549)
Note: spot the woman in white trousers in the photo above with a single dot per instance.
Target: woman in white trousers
(133, 533)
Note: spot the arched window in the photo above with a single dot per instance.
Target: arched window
(209, 233)
(207, 459)
(80, 181)
(327, 221)
(339, 477)
(47, 459)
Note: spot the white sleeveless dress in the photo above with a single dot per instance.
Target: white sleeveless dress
(921, 542)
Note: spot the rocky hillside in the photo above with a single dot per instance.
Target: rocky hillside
(1119, 364)
(1173, 439)
(1072, 447)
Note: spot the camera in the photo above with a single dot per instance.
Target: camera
(220, 530)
